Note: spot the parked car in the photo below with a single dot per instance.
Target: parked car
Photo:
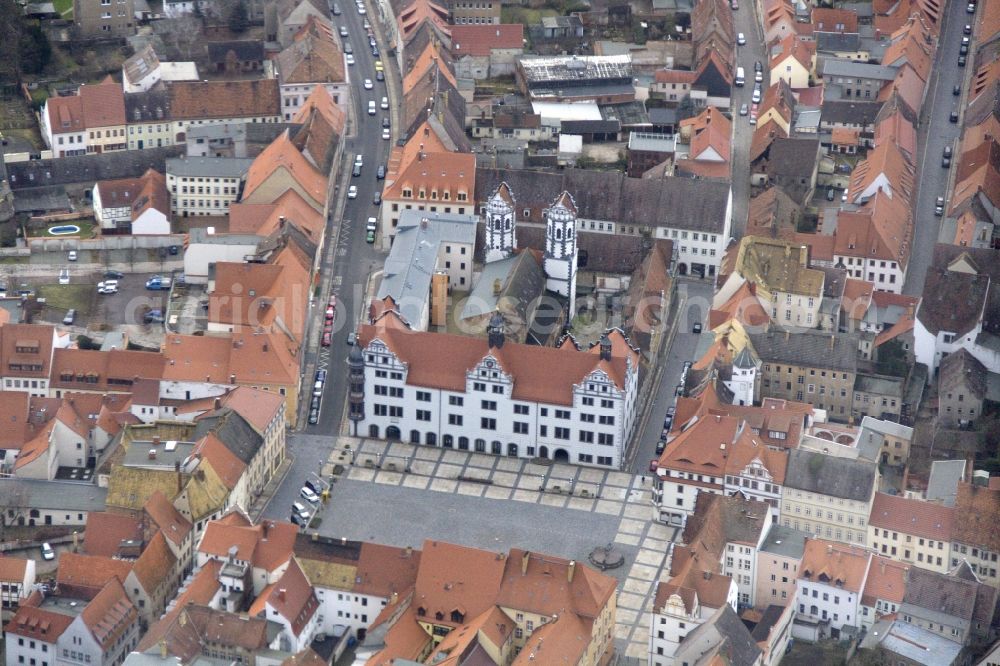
(970, 8)
(758, 77)
(385, 133)
(313, 416)
(379, 76)
(336, 9)
(371, 107)
(333, 301)
(380, 173)
(368, 84)
(371, 224)
(352, 191)
(947, 151)
(64, 276)
(957, 90)
(370, 237)
(352, 338)
(174, 250)
(954, 116)
(946, 162)
(331, 311)
(48, 554)
(696, 328)
(321, 375)
(757, 67)
(660, 445)
(744, 110)
(350, 59)
(153, 317)
(967, 30)
(343, 31)
(961, 61)
(327, 339)
(654, 465)
(966, 40)
(756, 95)
(385, 121)
(963, 50)
(741, 39)
(72, 255)
(70, 317)
(939, 206)
(385, 104)
(377, 199)
(113, 275)
(308, 495)
(831, 193)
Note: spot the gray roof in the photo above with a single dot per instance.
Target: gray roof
(829, 475)
(873, 424)
(652, 141)
(521, 280)
(942, 484)
(214, 131)
(167, 454)
(49, 495)
(840, 111)
(808, 349)
(201, 235)
(856, 70)
(681, 203)
(89, 168)
(233, 431)
(919, 645)
(725, 631)
(547, 70)
(793, 156)
(785, 541)
(837, 41)
(942, 595)
(217, 167)
(244, 50)
(666, 116)
(413, 257)
(45, 199)
(879, 385)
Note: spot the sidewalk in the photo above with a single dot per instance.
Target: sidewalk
(261, 501)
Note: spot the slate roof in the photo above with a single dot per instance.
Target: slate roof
(827, 475)
(725, 633)
(942, 593)
(234, 431)
(698, 205)
(245, 50)
(808, 349)
(89, 168)
(953, 301)
(962, 369)
(850, 113)
(793, 157)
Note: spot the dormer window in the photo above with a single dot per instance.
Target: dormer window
(407, 193)
(434, 195)
(422, 194)
(462, 196)
(447, 195)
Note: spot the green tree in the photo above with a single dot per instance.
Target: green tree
(239, 21)
(36, 52)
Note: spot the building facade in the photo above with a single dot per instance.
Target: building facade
(504, 399)
(205, 185)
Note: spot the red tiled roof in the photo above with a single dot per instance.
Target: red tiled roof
(105, 531)
(827, 19)
(545, 374)
(110, 614)
(480, 40)
(35, 623)
(912, 516)
(12, 569)
(835, 564)
(88, 574)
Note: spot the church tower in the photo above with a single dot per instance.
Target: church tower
(561, 250)
(501, 239)
(743, 382)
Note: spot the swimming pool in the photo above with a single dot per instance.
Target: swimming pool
(64, 230)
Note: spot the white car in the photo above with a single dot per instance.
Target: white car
(368, 84)
(756, 95)
(385, 133)
(72, 255)
(741, 39)
(352, 192)
(350, 59)
(361, 10)
(343, 31)
(47, 553)
(358, 160)
(367, 25)
(64, 276)
(107, 287)
(371, 225)
(385, 104)
(308, 495)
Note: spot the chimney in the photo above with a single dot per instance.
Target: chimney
(180, 478)
(833, 340)
(265, 528)
(524, 562)
(570, 571)
(786, 336)
(281, 594)
(218, 403)
(409, 551)
(829, 549)
(156, 441)
(163, 648)
(232, 379)
(394, 598)
(265, 347)
(281, 221)
(152, 454)
(605, 347)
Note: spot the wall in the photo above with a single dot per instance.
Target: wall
(776, 576)
(826, 516)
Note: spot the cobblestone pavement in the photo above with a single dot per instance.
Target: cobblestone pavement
(402, 493)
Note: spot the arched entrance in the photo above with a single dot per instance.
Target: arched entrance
(682, 269)
(432, 439)
(414, 437)
(561, 455)
(373, 431)
(463, 443)
(496, 448)
(543, 452)
(512, 450)
(448, 441)
(392, 432)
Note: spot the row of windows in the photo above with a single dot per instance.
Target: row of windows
(445, 195)
(204, 190)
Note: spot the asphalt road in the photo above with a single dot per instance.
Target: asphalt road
(933, 134)
(746, 55)
(697, 298)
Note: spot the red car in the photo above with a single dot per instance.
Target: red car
(654, 464)
(327, 338)
(330, 312)
(328, 329)
(333, 300)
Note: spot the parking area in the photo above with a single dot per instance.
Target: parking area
(401, 494)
